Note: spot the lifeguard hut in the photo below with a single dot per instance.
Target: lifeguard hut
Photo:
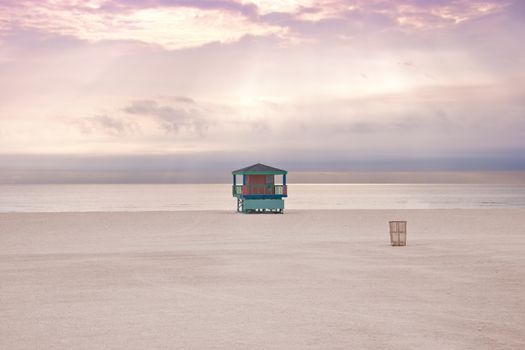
(259, 192)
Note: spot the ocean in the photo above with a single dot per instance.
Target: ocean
(84, 198)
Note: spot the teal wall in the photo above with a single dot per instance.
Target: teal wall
(263, 204)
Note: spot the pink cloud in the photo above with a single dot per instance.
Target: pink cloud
(171, 24)
(398, 64)
(187, 23)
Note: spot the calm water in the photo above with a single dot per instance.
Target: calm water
(61, 198)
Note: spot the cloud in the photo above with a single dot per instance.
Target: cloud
(182, 99)
(184, 116)
(321, 81)
(246, 9)
(171, 119)
(105, 124)
(176, 24)
(169, 24)
(346, 19)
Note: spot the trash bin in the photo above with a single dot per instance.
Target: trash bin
(398, 233)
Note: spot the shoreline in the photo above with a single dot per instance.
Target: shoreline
(256, 214)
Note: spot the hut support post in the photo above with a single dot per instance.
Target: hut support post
(240, 204)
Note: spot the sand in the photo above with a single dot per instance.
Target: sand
(302, 280)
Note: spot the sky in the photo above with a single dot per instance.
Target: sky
(120, 87)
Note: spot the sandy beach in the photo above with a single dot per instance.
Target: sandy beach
(220, 280)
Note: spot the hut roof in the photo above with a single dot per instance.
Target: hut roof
(259, 169)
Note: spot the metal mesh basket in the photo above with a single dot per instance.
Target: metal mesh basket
(398, 233)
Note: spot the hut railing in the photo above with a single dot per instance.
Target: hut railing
(280, 189)
(263, 189)
(237, 190)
